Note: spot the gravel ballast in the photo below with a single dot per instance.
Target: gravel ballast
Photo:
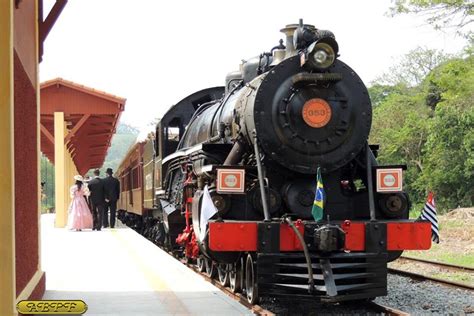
(405, 294)
(426, 297)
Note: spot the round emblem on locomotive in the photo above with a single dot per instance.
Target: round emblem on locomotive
(389, 180)
(230, 180)
(316, 112)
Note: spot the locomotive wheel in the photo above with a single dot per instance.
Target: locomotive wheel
(201, 265)
(251, 287)
(235, 277)
(211, 270)
(223, 272)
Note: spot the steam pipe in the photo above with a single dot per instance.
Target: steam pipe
(235, 153)
(309, 264)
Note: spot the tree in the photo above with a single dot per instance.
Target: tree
(449, 150)
(400, 126)
(430, 127)
(441, 14)
(412, 68)
(122, 140)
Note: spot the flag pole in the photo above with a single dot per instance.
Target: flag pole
(370, 185)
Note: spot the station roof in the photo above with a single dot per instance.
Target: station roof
(91, 118)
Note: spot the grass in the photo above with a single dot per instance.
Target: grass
(465, 260)
(455, 247)
(462, 277)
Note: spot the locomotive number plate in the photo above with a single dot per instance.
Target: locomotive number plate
(230, 180)
(316, 113)
(389, 180)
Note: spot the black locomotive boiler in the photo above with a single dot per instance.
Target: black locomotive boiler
(231, 179)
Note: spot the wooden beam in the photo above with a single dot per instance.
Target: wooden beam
(47, 25)
(100, 134)
(46, 133)
(76, 127)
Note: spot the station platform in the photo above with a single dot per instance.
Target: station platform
(118, 272)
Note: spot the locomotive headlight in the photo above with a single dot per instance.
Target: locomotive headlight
(320, 57)
(322, 53)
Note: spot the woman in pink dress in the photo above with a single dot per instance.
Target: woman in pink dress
(80, 216)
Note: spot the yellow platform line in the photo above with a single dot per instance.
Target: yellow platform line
(169, 298)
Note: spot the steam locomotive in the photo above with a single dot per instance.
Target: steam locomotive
(228, 179)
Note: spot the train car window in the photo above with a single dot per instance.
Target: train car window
(172, 133)
(129, 185)
(135, 179)
(156, 143)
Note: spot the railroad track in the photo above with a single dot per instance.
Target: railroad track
(447, 266)
(422, 277)
(385, 310)
(258, 310)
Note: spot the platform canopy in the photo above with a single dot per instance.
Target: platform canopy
(90, 116)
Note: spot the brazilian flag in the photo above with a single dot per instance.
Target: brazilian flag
(318, 204)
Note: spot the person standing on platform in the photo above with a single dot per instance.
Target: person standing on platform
(79, 216)
(112, 194)
(97, 199)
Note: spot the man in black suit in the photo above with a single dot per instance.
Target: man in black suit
(97, 199)
(112, 194)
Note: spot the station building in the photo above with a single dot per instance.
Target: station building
(73, 127)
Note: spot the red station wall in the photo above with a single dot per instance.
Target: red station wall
(26, 177)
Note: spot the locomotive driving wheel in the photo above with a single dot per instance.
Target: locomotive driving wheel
(210, 267)
(201, 264)
(235, 277)
(223, 273)
(251, 287)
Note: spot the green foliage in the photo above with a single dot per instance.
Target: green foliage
(380, 92)
(47, 177)
(412, 68)
(430, 127)
(125, 137)
(441, 14)
(450, 145)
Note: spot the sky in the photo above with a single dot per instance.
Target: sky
(155, 53)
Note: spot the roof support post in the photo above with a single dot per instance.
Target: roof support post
(59, 169)
(7, 182)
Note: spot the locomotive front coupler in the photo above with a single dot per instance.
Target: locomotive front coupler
(328, 237)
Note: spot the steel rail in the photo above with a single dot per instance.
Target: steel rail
(440, 264)
(386, 310)
(256, 309)
(422, 277)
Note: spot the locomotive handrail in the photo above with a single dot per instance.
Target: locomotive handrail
(370, 184)
(263, 194)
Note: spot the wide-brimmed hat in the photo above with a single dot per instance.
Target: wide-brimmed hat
(78, 178)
